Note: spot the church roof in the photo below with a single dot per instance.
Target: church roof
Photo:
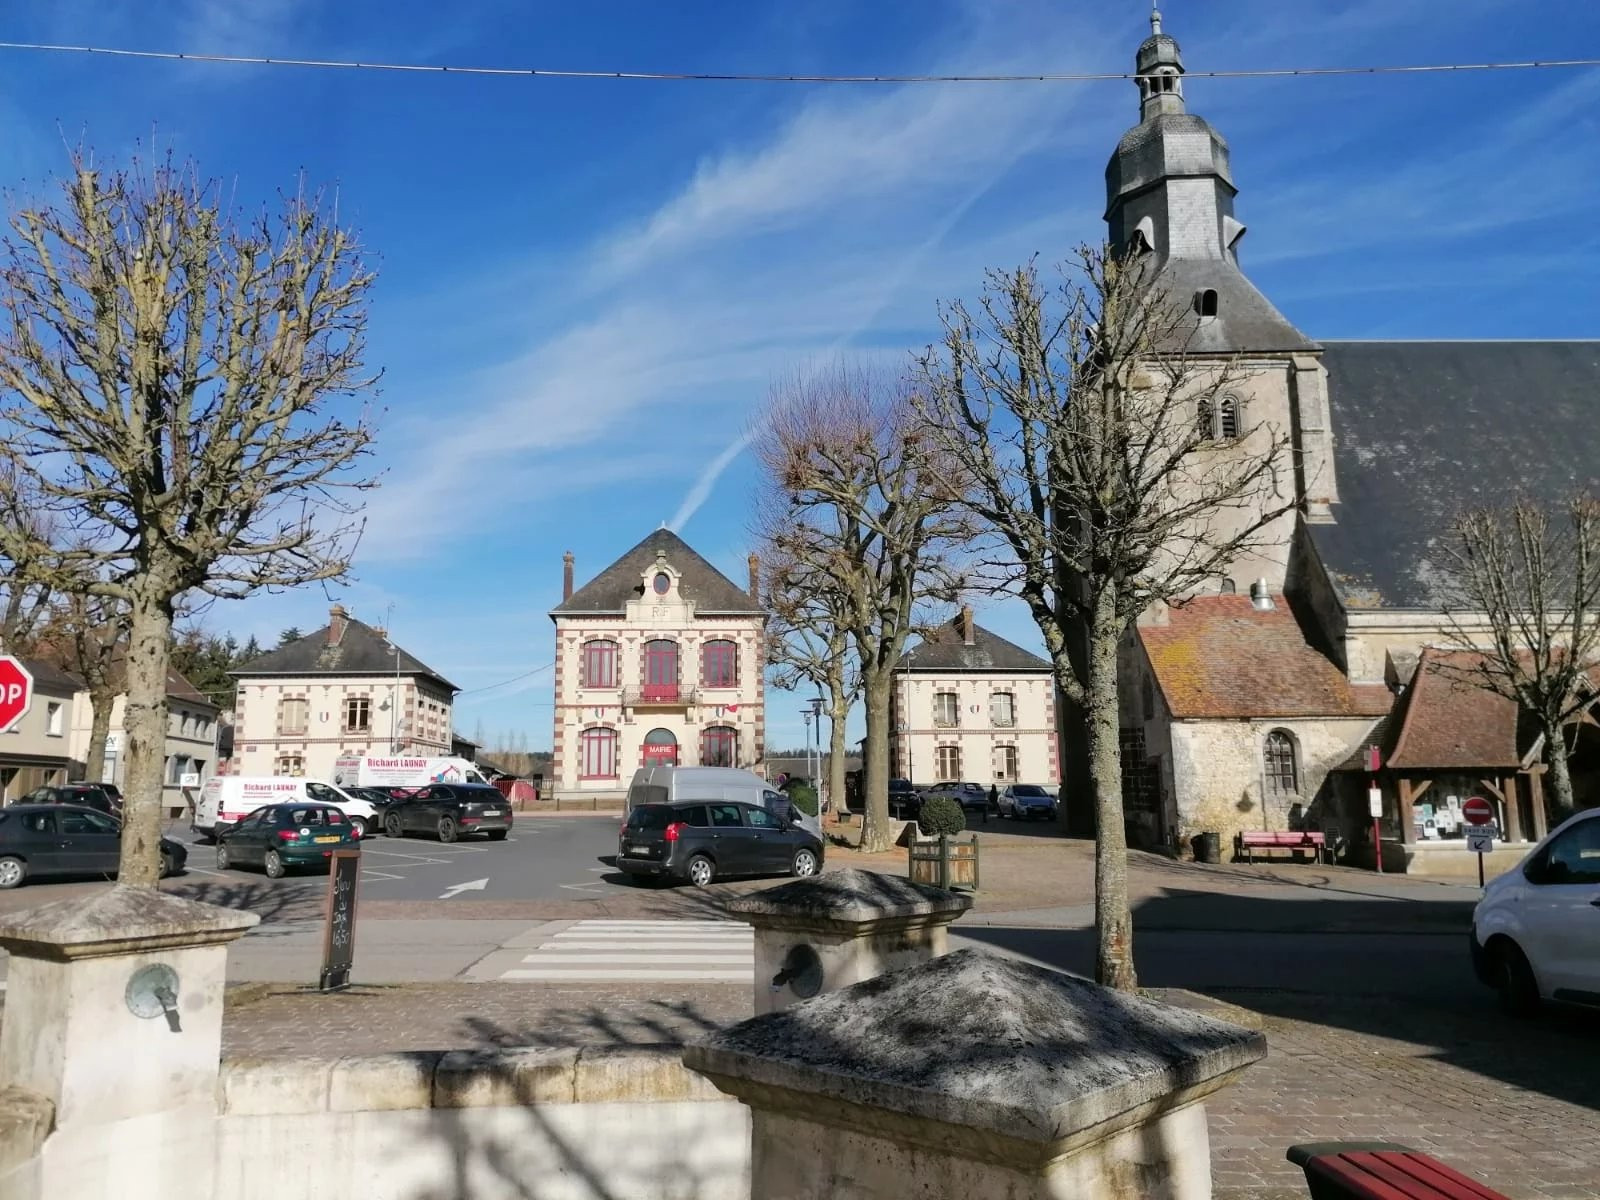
(608, 593)
(1424, 430)
(946, 649)
(1246, 321)
(1220, 658)
(360, 650)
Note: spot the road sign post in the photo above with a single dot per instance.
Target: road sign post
(1479, 814)
(1375, 806)
(16, 691)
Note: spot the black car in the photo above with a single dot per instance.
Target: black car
(450, 811)
(905, 802)
(41, 841)
(86, 795)
(699, 840)
(277, 837)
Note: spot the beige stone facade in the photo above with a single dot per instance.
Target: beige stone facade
(191, 743)
(344, 690)
(38, 749)
(967, 705)
(659, 660)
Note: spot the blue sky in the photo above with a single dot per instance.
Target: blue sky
(587, 286)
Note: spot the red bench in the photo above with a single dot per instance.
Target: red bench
(1251, 840)
(1381, 1171)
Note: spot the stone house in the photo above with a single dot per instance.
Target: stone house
(660, 660)
(968, 705)
(345, 689)
(191, 742)
(37, 750)
(1244, 711)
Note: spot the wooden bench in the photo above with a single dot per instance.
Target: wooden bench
(1381, 1171)
(1245, 844)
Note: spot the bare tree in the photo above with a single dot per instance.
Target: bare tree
(23, 530)
(171, 370)
(1077, 414)
(870, 507)
(1528, 604)
(87, 635)
(808, 636)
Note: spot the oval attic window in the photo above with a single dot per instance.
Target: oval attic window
(662, 583)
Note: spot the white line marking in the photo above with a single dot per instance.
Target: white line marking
(602, 923)
(582, 887)
(600, 960)
(626, 974)
(660, 946)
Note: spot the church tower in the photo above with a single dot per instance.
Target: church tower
(1170, 193)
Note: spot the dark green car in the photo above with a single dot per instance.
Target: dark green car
(277, 837)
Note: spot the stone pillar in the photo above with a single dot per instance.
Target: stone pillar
(113, 1020)
(821, 934)
(981, 1077)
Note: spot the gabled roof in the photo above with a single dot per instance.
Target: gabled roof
(945, 649)
(1424, 430)
(179, 688)
(1220, 657)
(47, 677)
(608, 593)
(1450, 723)
(361, 650)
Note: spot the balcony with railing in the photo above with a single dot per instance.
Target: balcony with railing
(658, 695)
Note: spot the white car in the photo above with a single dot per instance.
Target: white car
(1536, 932)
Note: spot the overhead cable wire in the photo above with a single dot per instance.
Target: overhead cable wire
(766, 77)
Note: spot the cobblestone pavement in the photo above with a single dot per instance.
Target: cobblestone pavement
(1516, 1104)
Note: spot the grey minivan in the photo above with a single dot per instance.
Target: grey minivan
(700, 840)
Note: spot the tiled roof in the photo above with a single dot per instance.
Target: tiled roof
(1220, 657)
(945, 649)
(179, 688)
(609, 592)
(360, 651)
(1423, 430)
(1450, 722)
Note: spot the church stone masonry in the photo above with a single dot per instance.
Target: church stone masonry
(1251, 706)
(659, 661)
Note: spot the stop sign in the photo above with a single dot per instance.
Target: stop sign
(16, 691)
(1477, 810)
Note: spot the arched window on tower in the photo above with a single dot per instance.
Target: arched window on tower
(1205, 418)
(1228, 418)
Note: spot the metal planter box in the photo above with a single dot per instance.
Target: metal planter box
(943, 863)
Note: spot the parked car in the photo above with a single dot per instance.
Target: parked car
(1536, 932)
(1025, 801)
(42, 841)
(450, 811)
(226, 799)
(973, 797)
(85, 795)
(701, 840)
(276, 837)
(905, 802)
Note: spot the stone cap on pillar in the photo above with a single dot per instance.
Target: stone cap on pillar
(849, 900)
(998, 1057)
(122, 920)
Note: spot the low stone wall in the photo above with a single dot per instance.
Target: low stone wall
(560, 1124)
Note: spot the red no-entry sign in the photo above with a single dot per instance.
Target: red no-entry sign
(1477, 811)
(16, 691)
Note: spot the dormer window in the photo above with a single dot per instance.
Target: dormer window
(662, 583)
(1205, 302)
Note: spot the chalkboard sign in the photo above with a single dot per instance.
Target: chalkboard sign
(339, 936)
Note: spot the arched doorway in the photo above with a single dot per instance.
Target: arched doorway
(660, 749)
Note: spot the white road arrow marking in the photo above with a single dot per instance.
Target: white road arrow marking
(455, 889)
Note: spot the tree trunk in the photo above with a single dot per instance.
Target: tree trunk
(145, 724)
(838, 729)
(1113, 922)
(875, 771)
(1560, 793)
(101, 699)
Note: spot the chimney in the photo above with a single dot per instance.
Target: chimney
(1261, 597)
(967, 634)
(754, 562)
(566, 576)
(337, 619)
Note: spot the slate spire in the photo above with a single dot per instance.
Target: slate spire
(1160, 68)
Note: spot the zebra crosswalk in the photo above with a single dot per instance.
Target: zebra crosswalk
(642, 951)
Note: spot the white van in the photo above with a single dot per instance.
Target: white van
(401, 771)
(229, 798)
(663, 785)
